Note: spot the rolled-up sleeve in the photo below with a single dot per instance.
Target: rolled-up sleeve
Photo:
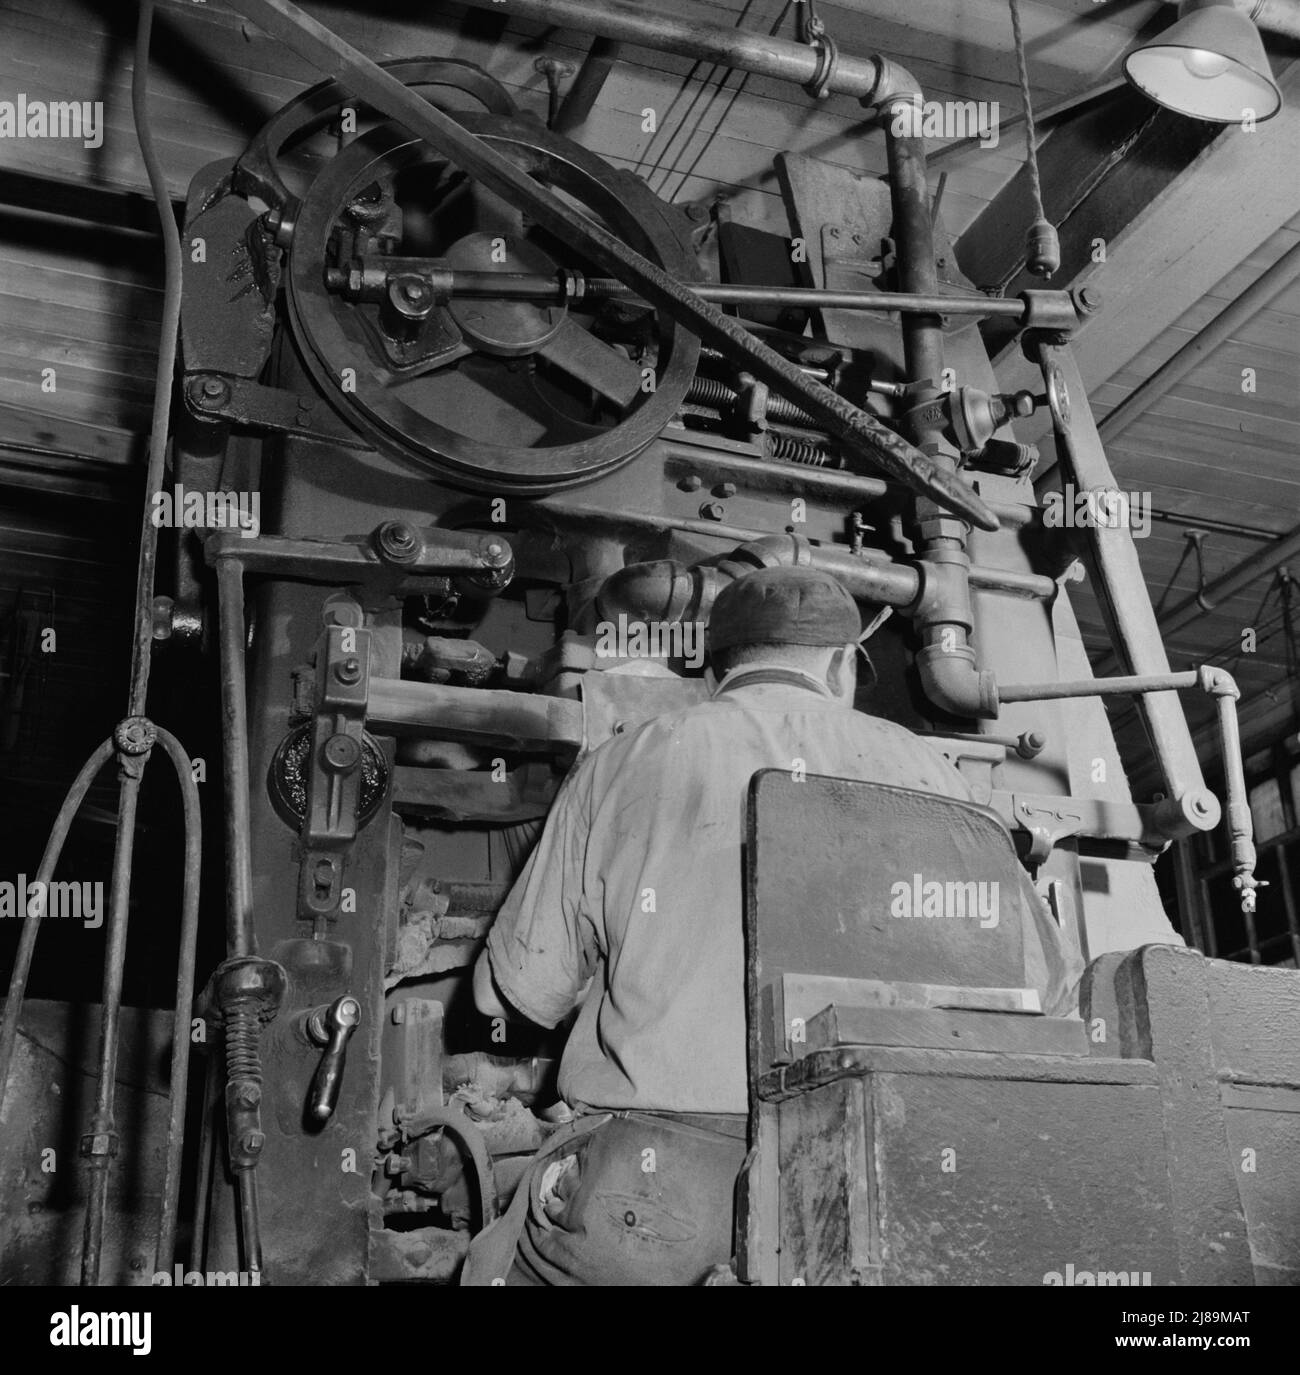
(543, 944)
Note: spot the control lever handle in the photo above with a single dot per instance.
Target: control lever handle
(331, 1027)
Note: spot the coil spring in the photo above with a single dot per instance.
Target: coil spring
(710, 392)
(243, 1031)
(790, 450)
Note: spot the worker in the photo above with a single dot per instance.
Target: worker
(633, 898)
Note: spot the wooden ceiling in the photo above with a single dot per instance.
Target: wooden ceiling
(83, 296)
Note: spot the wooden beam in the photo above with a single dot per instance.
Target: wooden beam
(1220, 210)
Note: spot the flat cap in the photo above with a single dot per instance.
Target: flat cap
(793, 606)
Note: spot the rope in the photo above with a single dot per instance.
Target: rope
(1042, 247)
(1022, 66)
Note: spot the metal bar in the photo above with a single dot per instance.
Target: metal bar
(240, 936)
(1205, 341)
(99, 1146)
(1119, 576)
(76, 795)
(180, 1061)
(867, 78)
(857, 429)
(587, 85)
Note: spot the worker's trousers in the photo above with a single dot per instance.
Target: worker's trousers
(631, 1198)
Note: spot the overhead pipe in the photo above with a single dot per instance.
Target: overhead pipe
(871, 80)
(1274, 16)
(946, 662)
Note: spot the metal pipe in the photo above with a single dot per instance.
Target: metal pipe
(1251, 301)
(99, 1145)
(869, 79)
(1097, 687)
(876, 580)
(852, 426)
(180, 1061)
(1275, 16)
(76, 795)
(946, 661)
(240, 937)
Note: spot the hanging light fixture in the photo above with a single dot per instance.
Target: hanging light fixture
(1210, 65)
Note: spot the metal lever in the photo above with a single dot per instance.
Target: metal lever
(331, 1027)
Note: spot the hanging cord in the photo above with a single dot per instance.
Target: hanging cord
(1042, 248)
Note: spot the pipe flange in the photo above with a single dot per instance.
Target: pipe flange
(135, 735)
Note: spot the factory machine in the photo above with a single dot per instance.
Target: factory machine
(501, 404)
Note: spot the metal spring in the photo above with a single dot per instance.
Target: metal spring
(243, 1030)
(710, 392)
(791, 450)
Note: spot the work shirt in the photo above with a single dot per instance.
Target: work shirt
(637, 883)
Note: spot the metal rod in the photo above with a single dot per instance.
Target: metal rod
(525, 286)
(867, 78)
(1251, 301)
(877, 580)
(99, 1146)
(772, 474)
(142, 638)
(854, 427)
(189, 936)
(240, 936)
(1098, 687)
(44, 875)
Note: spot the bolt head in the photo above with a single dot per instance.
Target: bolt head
(711, 510)
(690, 483)
(348, 671)
(342, 753)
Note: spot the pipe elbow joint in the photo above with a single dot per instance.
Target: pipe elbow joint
(893, 82)
(1218, 682)
(954, 683)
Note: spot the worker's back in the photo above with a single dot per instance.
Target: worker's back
(652, 823)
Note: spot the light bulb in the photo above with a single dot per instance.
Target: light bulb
(1204, 64)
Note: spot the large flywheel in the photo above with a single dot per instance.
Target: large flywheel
(391, 290)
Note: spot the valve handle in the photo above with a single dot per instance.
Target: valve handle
(333, 1026)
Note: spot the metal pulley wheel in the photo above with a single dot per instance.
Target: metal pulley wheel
(496, 394)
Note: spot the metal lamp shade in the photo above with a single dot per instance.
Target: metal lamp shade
(1210, 65)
